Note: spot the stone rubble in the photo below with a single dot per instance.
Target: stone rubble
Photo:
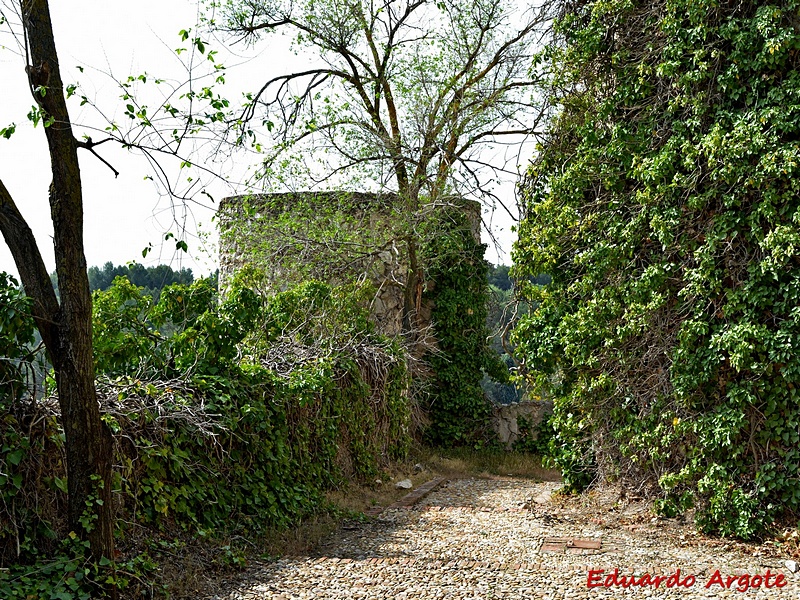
(487, 538)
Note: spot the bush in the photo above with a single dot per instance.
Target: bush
(231, 416)
(665, 204)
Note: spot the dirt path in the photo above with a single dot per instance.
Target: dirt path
(508, 538)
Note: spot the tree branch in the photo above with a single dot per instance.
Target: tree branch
(35, 279)
(89, 145)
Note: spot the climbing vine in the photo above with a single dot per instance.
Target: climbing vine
(228, 416)
(664, 204)
(456, 273)
(362, 244)
(289, 238)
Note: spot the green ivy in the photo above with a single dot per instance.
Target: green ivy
(281, 435)
(230, 416)
(664, 203)
(460, 410)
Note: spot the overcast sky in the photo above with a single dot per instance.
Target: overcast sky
(122, 215)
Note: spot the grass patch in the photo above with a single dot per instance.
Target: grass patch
(467, 462)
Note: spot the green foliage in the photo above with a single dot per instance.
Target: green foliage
(123, 340)
(498, 277)
(16, 339)
(534, 439)
(291, 238)
(153, 279)
(229, 416)
(241, 477)
(460, 410)
(280, 433)
(317, 313)
(70, 575)
(664, 204)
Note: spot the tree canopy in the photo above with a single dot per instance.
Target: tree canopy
(405, 94)
(153, 279)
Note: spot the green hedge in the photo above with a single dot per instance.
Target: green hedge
(227, 416)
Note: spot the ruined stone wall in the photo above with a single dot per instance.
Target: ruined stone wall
(506, 419)
(331, 236)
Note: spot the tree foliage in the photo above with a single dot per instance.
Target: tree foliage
(414, 97)
(664, 203)
(151, 278)
(498, 277)
(402, 92)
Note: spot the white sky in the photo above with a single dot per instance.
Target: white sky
(123, 215)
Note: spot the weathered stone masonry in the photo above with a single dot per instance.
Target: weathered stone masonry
(359, 242)
(267, 232)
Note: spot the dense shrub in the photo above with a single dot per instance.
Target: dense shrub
(227, 416)
(665, 203)
(16, 337)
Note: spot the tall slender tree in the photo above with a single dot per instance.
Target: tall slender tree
(65, 326)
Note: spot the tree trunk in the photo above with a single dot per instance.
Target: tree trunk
(66, 330)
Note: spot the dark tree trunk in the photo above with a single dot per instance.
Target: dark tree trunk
(66, 329)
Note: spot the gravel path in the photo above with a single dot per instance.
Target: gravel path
(506, 538)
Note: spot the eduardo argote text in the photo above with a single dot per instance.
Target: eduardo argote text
(740, 583)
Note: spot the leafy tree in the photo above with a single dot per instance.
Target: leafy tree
(413, 99)
(64, 321)
(152, 279)
(498, 277)
(664, 203)
(406, 95)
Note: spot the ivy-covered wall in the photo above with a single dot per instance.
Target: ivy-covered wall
(461, 413)
(338, 237)
(285, 239)
(665, 203)
(227, 417)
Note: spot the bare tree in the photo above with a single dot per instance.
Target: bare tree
(418, 96)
